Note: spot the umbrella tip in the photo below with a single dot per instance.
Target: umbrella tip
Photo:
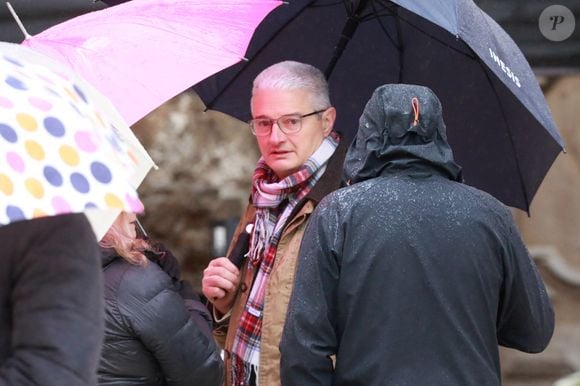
(18, 21)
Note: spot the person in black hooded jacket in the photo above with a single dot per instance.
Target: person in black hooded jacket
(157, 331)
(51, 302)
(408, 276)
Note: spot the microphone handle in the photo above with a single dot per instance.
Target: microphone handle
(237, 255)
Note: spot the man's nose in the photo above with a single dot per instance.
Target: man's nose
(276, 134)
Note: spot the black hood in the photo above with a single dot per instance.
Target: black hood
(401, 129)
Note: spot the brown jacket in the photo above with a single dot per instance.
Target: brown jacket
(281, 278)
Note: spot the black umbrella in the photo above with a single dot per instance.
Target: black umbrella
(498, 122)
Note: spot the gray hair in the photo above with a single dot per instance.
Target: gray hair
(291, 75)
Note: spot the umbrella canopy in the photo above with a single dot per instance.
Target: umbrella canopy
(144, 52)
(498, 122)
(64, 147)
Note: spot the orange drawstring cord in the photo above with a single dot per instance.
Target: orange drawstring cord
(415, 104)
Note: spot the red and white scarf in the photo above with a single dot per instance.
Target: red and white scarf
(274, 201)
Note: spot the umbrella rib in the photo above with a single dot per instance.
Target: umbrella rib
(348, 30)
(378, 18)
(409, 23)
(209, 105)
(511, 140)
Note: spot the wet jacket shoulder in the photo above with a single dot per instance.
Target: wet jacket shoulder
(51, 308)
(150, 337)
(281, 279)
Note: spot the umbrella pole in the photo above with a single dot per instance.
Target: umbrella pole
(18, 21)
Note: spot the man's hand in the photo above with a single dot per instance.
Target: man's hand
(220, 281)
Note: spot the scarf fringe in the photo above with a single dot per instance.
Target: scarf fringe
(241, 372)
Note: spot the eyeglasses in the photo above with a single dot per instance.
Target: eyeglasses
(289, 124)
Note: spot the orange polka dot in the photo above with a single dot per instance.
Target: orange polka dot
(6, 185)
(34, 149)
(34, 187)
(27, 121)
(69, 155)
(73, 95)
(113, 201)
(39, 213)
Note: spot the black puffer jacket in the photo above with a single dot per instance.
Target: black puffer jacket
(51, 302)
(152, 336)
(409, 276)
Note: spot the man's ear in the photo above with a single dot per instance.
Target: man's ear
(328, 118)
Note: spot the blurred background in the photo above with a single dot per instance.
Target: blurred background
(206, 160)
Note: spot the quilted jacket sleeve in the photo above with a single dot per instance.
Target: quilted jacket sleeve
(159, 317)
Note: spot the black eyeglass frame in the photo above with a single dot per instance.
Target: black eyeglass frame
(277, 122)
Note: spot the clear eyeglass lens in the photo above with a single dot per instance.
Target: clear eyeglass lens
(287, 123)
(290, 123)
(262, 126)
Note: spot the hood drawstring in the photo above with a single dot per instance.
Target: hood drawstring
(415, 105)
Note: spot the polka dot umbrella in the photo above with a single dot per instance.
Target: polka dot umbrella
(63, 146)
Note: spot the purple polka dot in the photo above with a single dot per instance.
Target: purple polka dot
(90, 205)
(54, 126)
(75, 108)
(39, 103)
(13, 61)
(15, 83)
(101, 172)
(80, 183)
(52, 176)
(84, 140)
(14, 213)
(60, 205)
(6, 103)
(15, 161)
(8, 133)
(80, 93)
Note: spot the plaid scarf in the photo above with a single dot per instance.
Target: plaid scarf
(274, 201)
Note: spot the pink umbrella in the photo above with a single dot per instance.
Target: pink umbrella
(143, 52)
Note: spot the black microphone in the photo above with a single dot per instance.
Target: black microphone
(241, 247)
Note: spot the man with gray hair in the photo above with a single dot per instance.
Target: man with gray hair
(301, 162)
